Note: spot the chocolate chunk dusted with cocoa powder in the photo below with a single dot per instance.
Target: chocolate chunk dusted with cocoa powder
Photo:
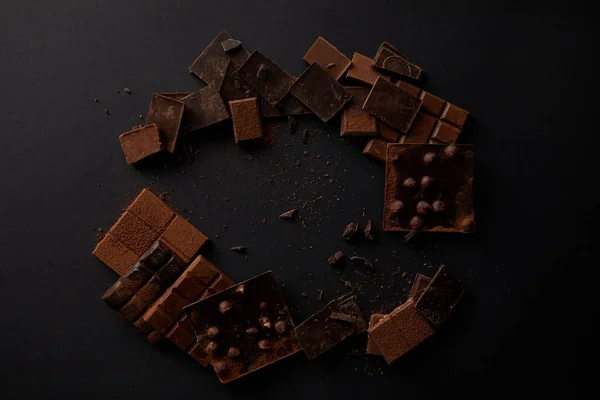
(391, 60)
(246, 120)
(393, 105)
(370, 230)
(350, 230)
(439, 297)
(334, 259)
(266, 77)
(376, 149)
(140, 143)
(166, 113)
(328, 57)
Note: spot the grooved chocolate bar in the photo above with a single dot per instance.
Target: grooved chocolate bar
(389, 59)
(244, 328)
(201, 279)
(438, 121)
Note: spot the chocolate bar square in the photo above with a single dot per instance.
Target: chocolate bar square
(333, 61)
(266, 77)
(393, 105)
(140, 143)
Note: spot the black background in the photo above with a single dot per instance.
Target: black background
(523, 73)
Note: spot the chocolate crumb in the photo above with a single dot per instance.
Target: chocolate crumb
(350, 231)
(304, 294)
(95, 100)
(127, 90)
(370, 230)
(343, 317)
(288, 214)
(409, 236)
(106, 112)
(99, 234)
(321, 294)
(239, 249)
(362, 260)
(118, 91)
(335, 258)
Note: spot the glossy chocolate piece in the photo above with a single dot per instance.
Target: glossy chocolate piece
(362, 70)
(320, 92)
(204, 108)
(389, 59)
(246, 119)
(439, 297)
(429, 187)
(266, 77)
(355, 120)
(393, 105)
(166, 113)
(251, 317)
(333, 61)
(140, 143)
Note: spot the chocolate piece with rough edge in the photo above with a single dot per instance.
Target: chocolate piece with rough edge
(389, 59)
(234, 87)
(289, 105)
(175, 95)
(371, 346)
(320, 332)
(328, 57)
(230, 45)
(140, 143)
(355, 120)
(204, 108)
(362, 71)
(320, 92)
(429, 188)
(439, 297)
(376, 149)
(438, 121)
(166, 113)
(334, 259)
(275, 83)
(419, 285)
(246, 119)
(252, 318)
(211, 63)
(184, 238)
(348, 303)
(392, 104)
(350, 230)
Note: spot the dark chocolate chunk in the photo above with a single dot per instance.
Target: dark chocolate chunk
(343, 317)
(204, 108)
(335, 258)
(274, 86)
(230, 45)
(389, 59)
(362, 261)
(393, 105)
(127, 90)
(245, 116)
(288, 214)
(289, 105)
(439, 297)
(234, 87)
(318, 91)
(211, 64)
(350, 230)
(370, 230)
(376, 149)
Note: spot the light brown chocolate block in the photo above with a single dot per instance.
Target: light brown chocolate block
(387, 133)
(388, 340)
(166, 113)
(184, 237)
(114, 254)
(413, 327)
(133, 233)
(355, 120)
(246, 119)
(361, 70)
(328, 57)
(140, 143)
(152, 210)
(376, 148)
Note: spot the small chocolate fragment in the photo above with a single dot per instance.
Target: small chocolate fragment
(204, 108)
(393, 105)
(389, 59)
(230, 45)
(127, 90)
(361, 70)
(234, 87)
(288, 214)
(239, 249)
(350, 230)
(409, 236)
(335, 258)
(272, 87)
(246, 119)
(439, 297)
(343, 317)
(140, 143)
(328, 57)
(370, 230)
(363, 261)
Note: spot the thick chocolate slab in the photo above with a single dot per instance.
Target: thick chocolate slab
(333, 61)
(244, 328)
(246, 119)
(320, 92)
(393, 105)
(429, 187)
(211, 63)
(166, 113)
(389, 59)
(439, 297)
(204, 108)
(362, 71)
(266, 77)
(140, 143)
(355, 120)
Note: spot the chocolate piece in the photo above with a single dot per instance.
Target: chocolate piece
(230, 45)
(234, 87)
(388, 133)
(439, 297)
(238, 327)
(166, 113)
(389, 59)
(438, 121)
(419, 286)
(362, 71)
(348, 303)
(153, 211)
(370, 230)
(211, 64)
(446, 178)
(246, 119)
(114, 254)
(288, 214)
(133, 233)
(184, 238)
(140, 143)
(350, 230)
(289, 105)
(343, 317)
(376, 149)
(355, 120)
(363, 261)
(175, 95)
(320, 332)
(371, 346)
(335, 258)
(393, 105)
(320, 92)
(240, 249)
(204, 108)
(328, 57)
(274, 86)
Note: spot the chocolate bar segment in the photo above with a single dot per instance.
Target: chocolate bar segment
(266, 77)
(376, 149)
(320, 92)
(244, 328)
(439, 297)
(140, 143)
(133, 233)
(429, 187)
(362, 71)
(393, 105)
(333, 61)
(166, 113)
(389, 59)
(204, 108)
(184, 238)
(211, 64)
(246, 119)
(355, 120)
(114, 254)
(153, 211)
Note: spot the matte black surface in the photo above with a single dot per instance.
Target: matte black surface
(524, 77)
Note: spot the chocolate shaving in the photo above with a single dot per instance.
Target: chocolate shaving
(370, 230)
(350, 231)
(363, 261)
(288, 214)
(343, 317)
(239, 249)
(335, 258)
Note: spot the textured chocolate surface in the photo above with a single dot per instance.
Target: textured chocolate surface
(140, 143)
(362, 70)
(429, 187)
(166, 113)
(438, 121)
(320, 92)
(246, 119)
(266, 77)
(333, 61)
(355, 120)
(204, 108)
(389, 59)
(439, 297)
(244, 328)
(392, 105)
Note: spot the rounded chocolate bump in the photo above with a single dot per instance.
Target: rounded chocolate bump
(280, 327)
(428, 158)
(438, 206)
(396, 206)
(224, 306)
(450, 151)
(220, 367)
(265, 322)
(264, 344)
(416, 223)
(263, 305)
(240, 289)
(423, 207)
(212, 332)
(252, 331)
(233, 352)
(426, 181)
(211, 348)
(409, 183)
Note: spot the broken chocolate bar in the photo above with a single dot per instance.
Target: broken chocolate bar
(362, 71)
(211, 64)
(429, 187)
(140, 143)
(166, 113)
(266, 77)
(320, 92)
(389, 59)
(348, 303)
(204, 108)
(393, 105)
(246, 119)
(439, 297)
(438, 121)
(244, 328)
(355, 120)
(328, 57)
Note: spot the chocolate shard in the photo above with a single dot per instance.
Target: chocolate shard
(362, 261)
(439, 297)
(348, 303)
(239, 249)
(204, 108)
(343, 317)
(230, 45)
(370, 230)
(328, 57)
(288, 214)
(350, 230)
(334, 259)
